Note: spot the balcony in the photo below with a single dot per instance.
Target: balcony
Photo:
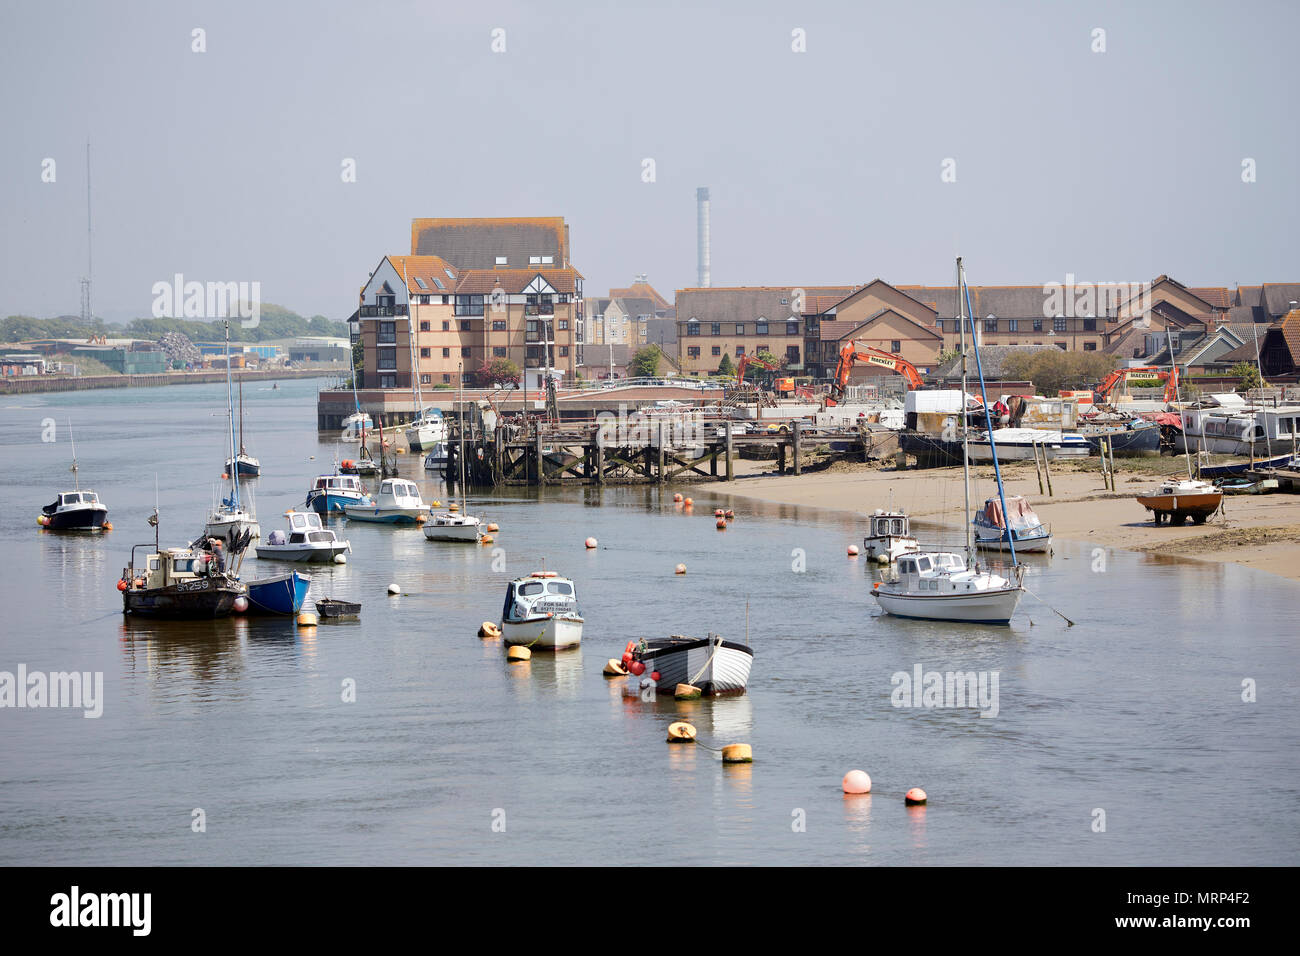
(382, 311)
(539, 310)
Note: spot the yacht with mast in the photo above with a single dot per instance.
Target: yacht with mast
(229, 520)
(243, 463)
(945, 585)
(456, 525)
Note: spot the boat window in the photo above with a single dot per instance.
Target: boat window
(386, 488)
(1258, 433)
(320, 482)
(559, 587)
(72, 499)
(320, 536)
(896, 526)
(532, 587)
(183, 566)
(296, 538)
(153, 564)
(923, 564)
(907, 567)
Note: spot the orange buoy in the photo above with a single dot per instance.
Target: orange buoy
(493, 527)
(677, 497)
(590, 543)
(719, 513)
(856, 781)
(722, 524)
(915, 796)
(688, 502)
(486, 539)
(680, 732)
(518, 654)
(680, 569)
(737, 753)
(730, 513)
(121, 585)
(875, 586)
(421, 519)
(853, 551)
(108, 526)
(225, 476)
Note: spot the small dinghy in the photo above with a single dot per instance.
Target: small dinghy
(714, 665)
(335, 609)
(282, 594)
(541, 611)
(306, 540)
(452, 526)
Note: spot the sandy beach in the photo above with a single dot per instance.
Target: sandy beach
(1257, 531)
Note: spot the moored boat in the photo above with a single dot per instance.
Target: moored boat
(938, 586)
(1021, 527)
(178, 583)
(336, 609)
(74, 511)
(333, 493)
(397, 501)
(717, 666)
(306, 541)
(890, 537)
(541, 611)
(281, 594)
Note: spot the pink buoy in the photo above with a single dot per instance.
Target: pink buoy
(915, 796)
(680, 569)
(677, 497)
(856, 781)
(654, 676)
(591, 543)
(853, 551)
(637, 668)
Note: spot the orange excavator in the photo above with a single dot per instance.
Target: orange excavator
(746, 361)
(1102, 392)
(852, 353)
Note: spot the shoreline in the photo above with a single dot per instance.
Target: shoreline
(1261, 532)
(52, 384)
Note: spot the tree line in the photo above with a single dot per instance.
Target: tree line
(276, 322)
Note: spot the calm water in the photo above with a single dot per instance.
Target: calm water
(1136, 711)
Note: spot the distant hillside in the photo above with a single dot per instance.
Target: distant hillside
(276, 322)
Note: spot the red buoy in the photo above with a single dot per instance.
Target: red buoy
(915, 796)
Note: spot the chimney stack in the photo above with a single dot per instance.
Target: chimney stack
(702, 234)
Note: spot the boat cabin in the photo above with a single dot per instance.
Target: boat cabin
(915, 570)
(892, 524)
(539, 594)
(176, 566)
(338, 483)
(399, 491)
(304, 528)
(72, 499)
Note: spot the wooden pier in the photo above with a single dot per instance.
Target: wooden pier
(563, 454)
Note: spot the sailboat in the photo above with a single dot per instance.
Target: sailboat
(74, 510)
(229, 520)
(945, 585)
(243, 463)
(456, 525)
(427, 431)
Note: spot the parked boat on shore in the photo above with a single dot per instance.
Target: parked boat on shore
(541, 611)
(1176, 500)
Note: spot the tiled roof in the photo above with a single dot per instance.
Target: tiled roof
(736, 304)
(429, 269)
(476, 243)
(1218, 296)
(641, 290)
(1291, 334)
(1278, 297)
(514, 281)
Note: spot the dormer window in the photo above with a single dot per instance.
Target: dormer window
(501, 260)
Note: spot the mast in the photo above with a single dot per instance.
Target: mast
(460, 402)
(965, 426)
(988, 424)
(241, 418)
(1268, 442)
(230, 411)
(1182, 421)
(76, 478)
(415, 365)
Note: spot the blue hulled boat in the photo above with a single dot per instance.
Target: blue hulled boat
(282, 594)
(333, 493)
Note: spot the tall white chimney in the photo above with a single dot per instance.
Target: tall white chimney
(702, 234)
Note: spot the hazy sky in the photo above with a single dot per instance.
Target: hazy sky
(825, 165)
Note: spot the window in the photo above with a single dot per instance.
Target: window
(693, 327)
(468, 305)
(446, 353)
(388, 381)
(498, 325)
(548, 260)
(693, 351)
(464, 325)
(446, 326)
(740, 350)
(1038, 325)
(446, 378)
(501, 260)
(895, 346)
(1061, 345)
(715, 328)
(498, 351)
(1090, 325)
(1090, 346)
(387, 333)
(424, 326)
(1013, 325)
(717, 350)
(791, 326)
(564, 351)
(387, 359)
(991, 324)
(792, 354)
(464, 352)
(760, 328)
(426, 379)
(740, 328)
(534, 260)
(564, 324)
(1058, 324)
(425, 353)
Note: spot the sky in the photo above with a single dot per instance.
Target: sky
(841, 141)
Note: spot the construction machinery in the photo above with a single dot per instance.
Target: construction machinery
(854, 352)
(1101, 393)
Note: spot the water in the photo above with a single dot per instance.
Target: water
(1137, 711)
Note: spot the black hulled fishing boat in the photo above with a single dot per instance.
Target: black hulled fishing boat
(75, 510)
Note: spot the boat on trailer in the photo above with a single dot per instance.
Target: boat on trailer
(1176, 500)
(541, 611)
(716, 666)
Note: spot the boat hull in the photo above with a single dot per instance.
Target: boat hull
(467, 533)
(1196, 505)
(303, 554)
(993, 606)
(77, 519)
(246, 468)
(191, 600)
(549, 633)
(282, 594)
(328, 503)
(386, 515)
(1127, 442)
(717, 671)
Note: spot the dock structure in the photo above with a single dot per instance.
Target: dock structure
(588, 454)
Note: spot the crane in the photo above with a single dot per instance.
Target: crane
(746, 361)
(1102, 392)
(853, 353)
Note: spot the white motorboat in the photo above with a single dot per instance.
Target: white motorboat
(307, 540)
(453, 526)
(541, 612)
(890, 537)
(1021, 444)
(714, 665)
(427, 431)
(397, 501)
(1021, 526)
(939, 585)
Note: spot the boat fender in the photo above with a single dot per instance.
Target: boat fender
(122, 585)
(637, 668)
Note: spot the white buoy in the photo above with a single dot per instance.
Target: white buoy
(340, 559)
(394, 589)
